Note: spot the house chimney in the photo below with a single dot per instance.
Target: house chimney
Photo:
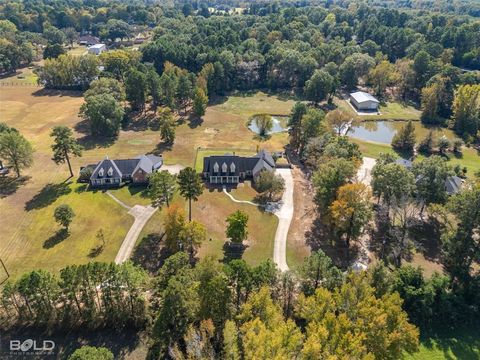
(106, 157)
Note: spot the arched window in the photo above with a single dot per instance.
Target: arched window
(224, 167)
(101, 172)
(215, 168)
(110, 171)
(232, 167)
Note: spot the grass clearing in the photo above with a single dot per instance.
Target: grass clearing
(43, 245)
(388, 111)
(469, 158)
(212, 209)
(24, 76)
(35, 111)
(224, 126)
(462, 344)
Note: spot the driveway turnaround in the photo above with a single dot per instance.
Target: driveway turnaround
(284, 214)
(141, 214)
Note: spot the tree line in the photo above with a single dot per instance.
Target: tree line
(220, 310)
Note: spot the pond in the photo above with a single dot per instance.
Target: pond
(279, 125)
(383, 131)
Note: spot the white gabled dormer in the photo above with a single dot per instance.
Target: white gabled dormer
(232, 167)
(101, 172)
(224, 167)
(216, 168)
(109, 171)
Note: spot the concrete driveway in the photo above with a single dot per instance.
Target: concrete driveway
(141, 214)
(284, 214)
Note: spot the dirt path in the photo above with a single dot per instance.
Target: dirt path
(284, 214)
(141, 214)
(364, 174)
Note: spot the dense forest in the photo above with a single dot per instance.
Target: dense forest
(424, 53)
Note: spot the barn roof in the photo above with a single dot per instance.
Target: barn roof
(361, 96)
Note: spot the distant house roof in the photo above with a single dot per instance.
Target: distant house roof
(216, 164)
(404, 162)
(125, 167)
(453, 184)
(88, 39)
(98, 46)
(361, 96)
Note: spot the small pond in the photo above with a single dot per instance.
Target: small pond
(383, 131)
(279, 125)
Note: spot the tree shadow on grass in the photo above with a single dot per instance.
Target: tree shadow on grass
(320, 238)
(90, 142)
(121, 341)
(463, 342)
(94, 252)
(426, 236)
(9, 186)
(137, 189)
(150, 254)
(161, 148)
(56, 238)
(47, 196)
(61, 93)
(232, 251)
(194, 121)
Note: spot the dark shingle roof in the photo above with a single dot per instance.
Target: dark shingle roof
(103, 168)
(261, 161)
(126, 167)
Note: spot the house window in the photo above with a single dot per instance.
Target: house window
(215, 168)
(110, 171)
(232, 167)
(224, 167)
(101, 172)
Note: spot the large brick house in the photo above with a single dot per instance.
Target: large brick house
(110, 172)
(232, 169)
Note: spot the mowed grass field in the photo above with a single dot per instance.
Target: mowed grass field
(388, 111)
(470, 158)
(27, 238)
(212, 209)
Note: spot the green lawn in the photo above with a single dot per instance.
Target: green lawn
(132, 195)
(77, 50)
(213, 208)
(23, 76)
(46, 247)
(461, 344)
(469, 157)
(388, 111)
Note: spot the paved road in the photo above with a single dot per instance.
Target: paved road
(284, 214)
(141, 214)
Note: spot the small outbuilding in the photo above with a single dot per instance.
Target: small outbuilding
(97, 49)
(364, 101)
(453, 185)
